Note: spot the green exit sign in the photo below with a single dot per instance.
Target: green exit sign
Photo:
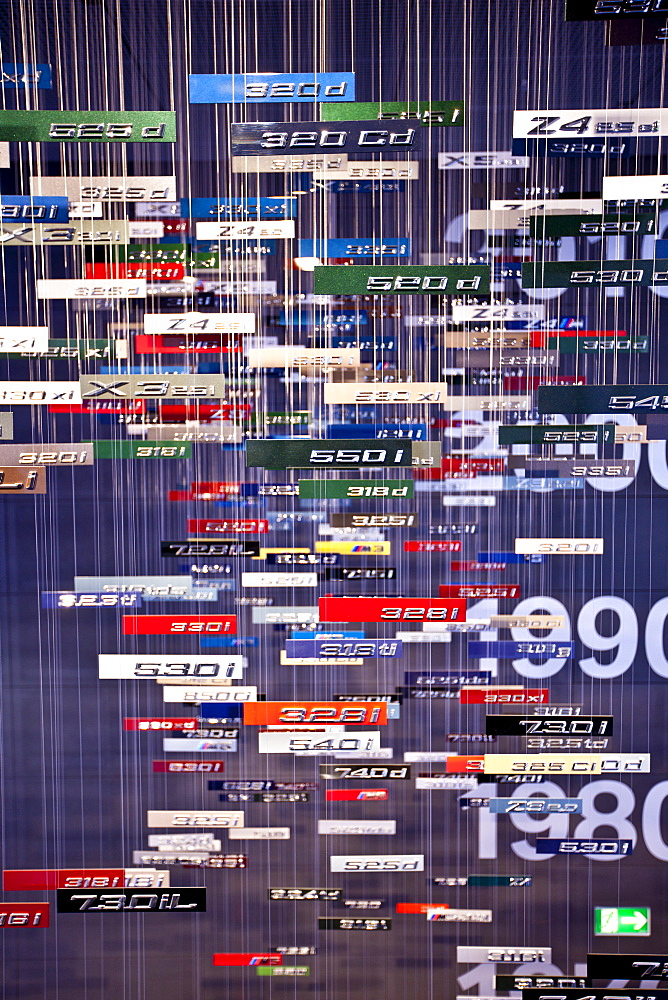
(622, 920)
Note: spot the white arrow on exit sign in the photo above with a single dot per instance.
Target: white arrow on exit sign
(636, 919)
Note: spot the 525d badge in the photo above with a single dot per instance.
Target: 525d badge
(88, 126)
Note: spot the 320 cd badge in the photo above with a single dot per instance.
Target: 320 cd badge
(264, 138)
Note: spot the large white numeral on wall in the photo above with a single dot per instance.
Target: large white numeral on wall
(625, 639)
(654, 631)
(555, 825)
(482, 976)
(565, 252)
(630, 451)
(535, 606)
(656, 458)
(485, 608)
(487, 832)
(651, 821)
